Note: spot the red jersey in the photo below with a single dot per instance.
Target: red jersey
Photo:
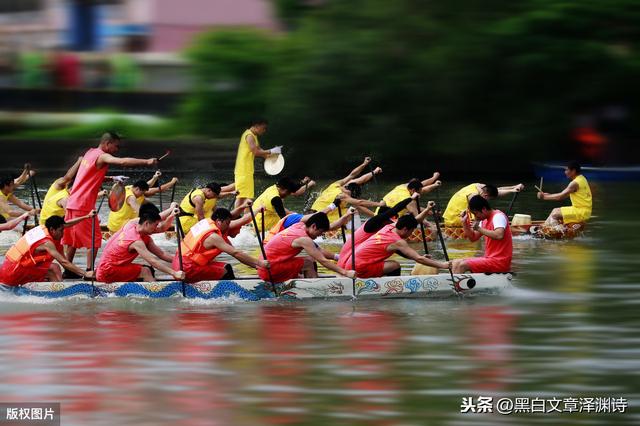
(374, 249)
(116, 252)
(345, 253)
(500, 250)
(279, 248)
(88, 181)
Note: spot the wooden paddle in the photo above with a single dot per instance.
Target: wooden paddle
(264, 253)
(344, 237)
(178, 227)
(160, 192)
(35, 189)
(166, 154)
(33, 200)
(436, 213)
(353, 250)
(173, 193)
(513, 200)
(26, 219)
(419, 268)
(93, 250)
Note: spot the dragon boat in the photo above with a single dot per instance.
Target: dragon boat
(417, 286)
(536, 229)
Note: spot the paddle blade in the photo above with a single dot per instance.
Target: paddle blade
(116, 197)
(420, 269)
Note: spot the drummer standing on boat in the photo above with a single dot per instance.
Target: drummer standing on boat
(91, 173)
(493, 225)
(578, 191)
(248, 149)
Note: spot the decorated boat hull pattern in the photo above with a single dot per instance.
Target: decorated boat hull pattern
(421, 286)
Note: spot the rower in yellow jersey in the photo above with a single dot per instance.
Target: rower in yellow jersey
(271, 200)
(248, 149)
(200, 203)
(348, 190)
(135, 196)
(460, 200)
(580, 194)
(405, 191)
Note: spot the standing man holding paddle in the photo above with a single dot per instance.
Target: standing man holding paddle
(493, 225)
(91, 173)
(248, 149)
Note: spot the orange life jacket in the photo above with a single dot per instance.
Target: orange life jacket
(193, 243)
(23, 251)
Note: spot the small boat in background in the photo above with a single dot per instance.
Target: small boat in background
(554, 172)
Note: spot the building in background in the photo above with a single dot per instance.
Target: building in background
(132, 25)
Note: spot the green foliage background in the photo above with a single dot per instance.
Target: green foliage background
(410, 80)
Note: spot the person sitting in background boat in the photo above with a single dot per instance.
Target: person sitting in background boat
(284, 247)
(460, 200)
(270, 205)
(135, 196)
(248, 149)
(350, 189)
(578, 191)
(493, 225)
(133, 240)
(12, 223)
(372, 254)
(31, 258)
(385, 216)
(405, 190)
(205, 241)
(199, 203)
(7, 187)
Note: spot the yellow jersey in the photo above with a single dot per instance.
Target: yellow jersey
(118, 219)
(396, 195)
(50, 205)
(4, 205)
(264, 200)
(458, 203)
(188, 206)
(581, 200)
(245, 158)
(326, 197)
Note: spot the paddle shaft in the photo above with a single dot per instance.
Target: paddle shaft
(26, 219)
(93, 250)
(424, 237)
(344, 238)
(33, 201)
(262, 226)
(160, 193)
(178, 227)
(306, 197)
(353, 250)
(166, 154)
(35, 189)
(513, 200)
(444, 246)
(264, 254)
(173, 193)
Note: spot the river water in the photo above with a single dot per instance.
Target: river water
(569, 329)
